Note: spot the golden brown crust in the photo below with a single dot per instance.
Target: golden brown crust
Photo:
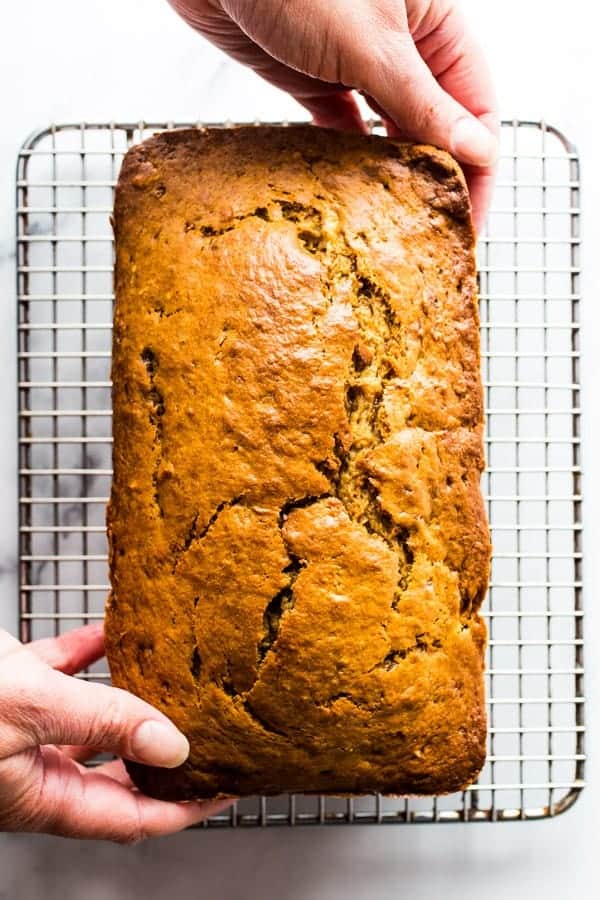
(298, 541)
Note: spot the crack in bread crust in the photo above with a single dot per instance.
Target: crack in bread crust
(157, 410)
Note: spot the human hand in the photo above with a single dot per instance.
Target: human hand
(414, 61)
(50, 723)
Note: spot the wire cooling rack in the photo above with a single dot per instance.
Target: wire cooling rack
(529, 280)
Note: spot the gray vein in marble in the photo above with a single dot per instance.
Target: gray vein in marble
(9, 566)
(36, 226)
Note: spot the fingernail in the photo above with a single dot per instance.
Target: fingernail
(158, 744)
(473, 143)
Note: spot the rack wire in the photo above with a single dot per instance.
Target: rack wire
(529, 291)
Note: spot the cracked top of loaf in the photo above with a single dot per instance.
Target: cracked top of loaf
(298, 543)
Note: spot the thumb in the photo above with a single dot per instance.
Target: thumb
(47, 707)
(422, 110)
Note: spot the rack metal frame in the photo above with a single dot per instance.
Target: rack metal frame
(529, 295)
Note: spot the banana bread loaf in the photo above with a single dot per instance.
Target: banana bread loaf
(298, 543)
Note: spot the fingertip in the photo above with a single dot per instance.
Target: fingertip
(478, 223)
(340, 124)
(218, 802)
(481, 188)
(338, 110)
(89, 628)
(93, 630)
(207, 808)
(162, 817)
(473, 143)
(492, 122)
(156, 743)
(340, 120)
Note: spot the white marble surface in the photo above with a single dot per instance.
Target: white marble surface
(121, 59)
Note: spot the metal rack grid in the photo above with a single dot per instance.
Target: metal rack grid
(529, 279)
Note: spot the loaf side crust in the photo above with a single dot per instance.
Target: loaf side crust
(298, 542)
